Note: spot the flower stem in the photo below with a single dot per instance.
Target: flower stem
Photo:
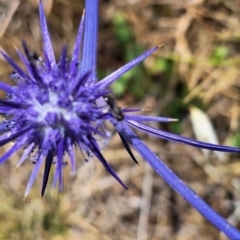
(89, 58)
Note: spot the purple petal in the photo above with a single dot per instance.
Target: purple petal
(15, 66)
(26, 153)
(176, 183)
(48, 49)
(5, 109)
(7, 88)
(4, 127)
(34, 174)
(176, 138)
(63, 61)
(26, 63)
(71, 154)
(9, 103)
(56, 176)
(47, 62)
(15, 147)
(14, 135)
(60, 164)
(90, 39)
(77, 46)
(79, 81)
(115, 75)
(98, 154)
(132, 109)
(149, 118)
(58, 169)
(31, 68)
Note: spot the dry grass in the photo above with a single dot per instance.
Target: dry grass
(93, 206)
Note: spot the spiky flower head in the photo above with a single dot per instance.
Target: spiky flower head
(56, 105)
(53, 107)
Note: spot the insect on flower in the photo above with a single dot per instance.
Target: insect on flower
(115, 109)
(33, 57)
(117, 113)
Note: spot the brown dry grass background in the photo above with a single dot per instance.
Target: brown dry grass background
(93, 206)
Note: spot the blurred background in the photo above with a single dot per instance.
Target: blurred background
(193, 77)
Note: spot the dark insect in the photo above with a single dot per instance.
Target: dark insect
(115, 109)
(6, 126)
(118, 114)
(33, 57)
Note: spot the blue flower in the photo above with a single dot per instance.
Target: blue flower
(56, 106)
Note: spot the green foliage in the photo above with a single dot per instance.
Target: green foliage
(235, 140)
(122, 29)
(35, 218)
(218, 56)
(133, 81)
(155, 78)
(160, 65)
